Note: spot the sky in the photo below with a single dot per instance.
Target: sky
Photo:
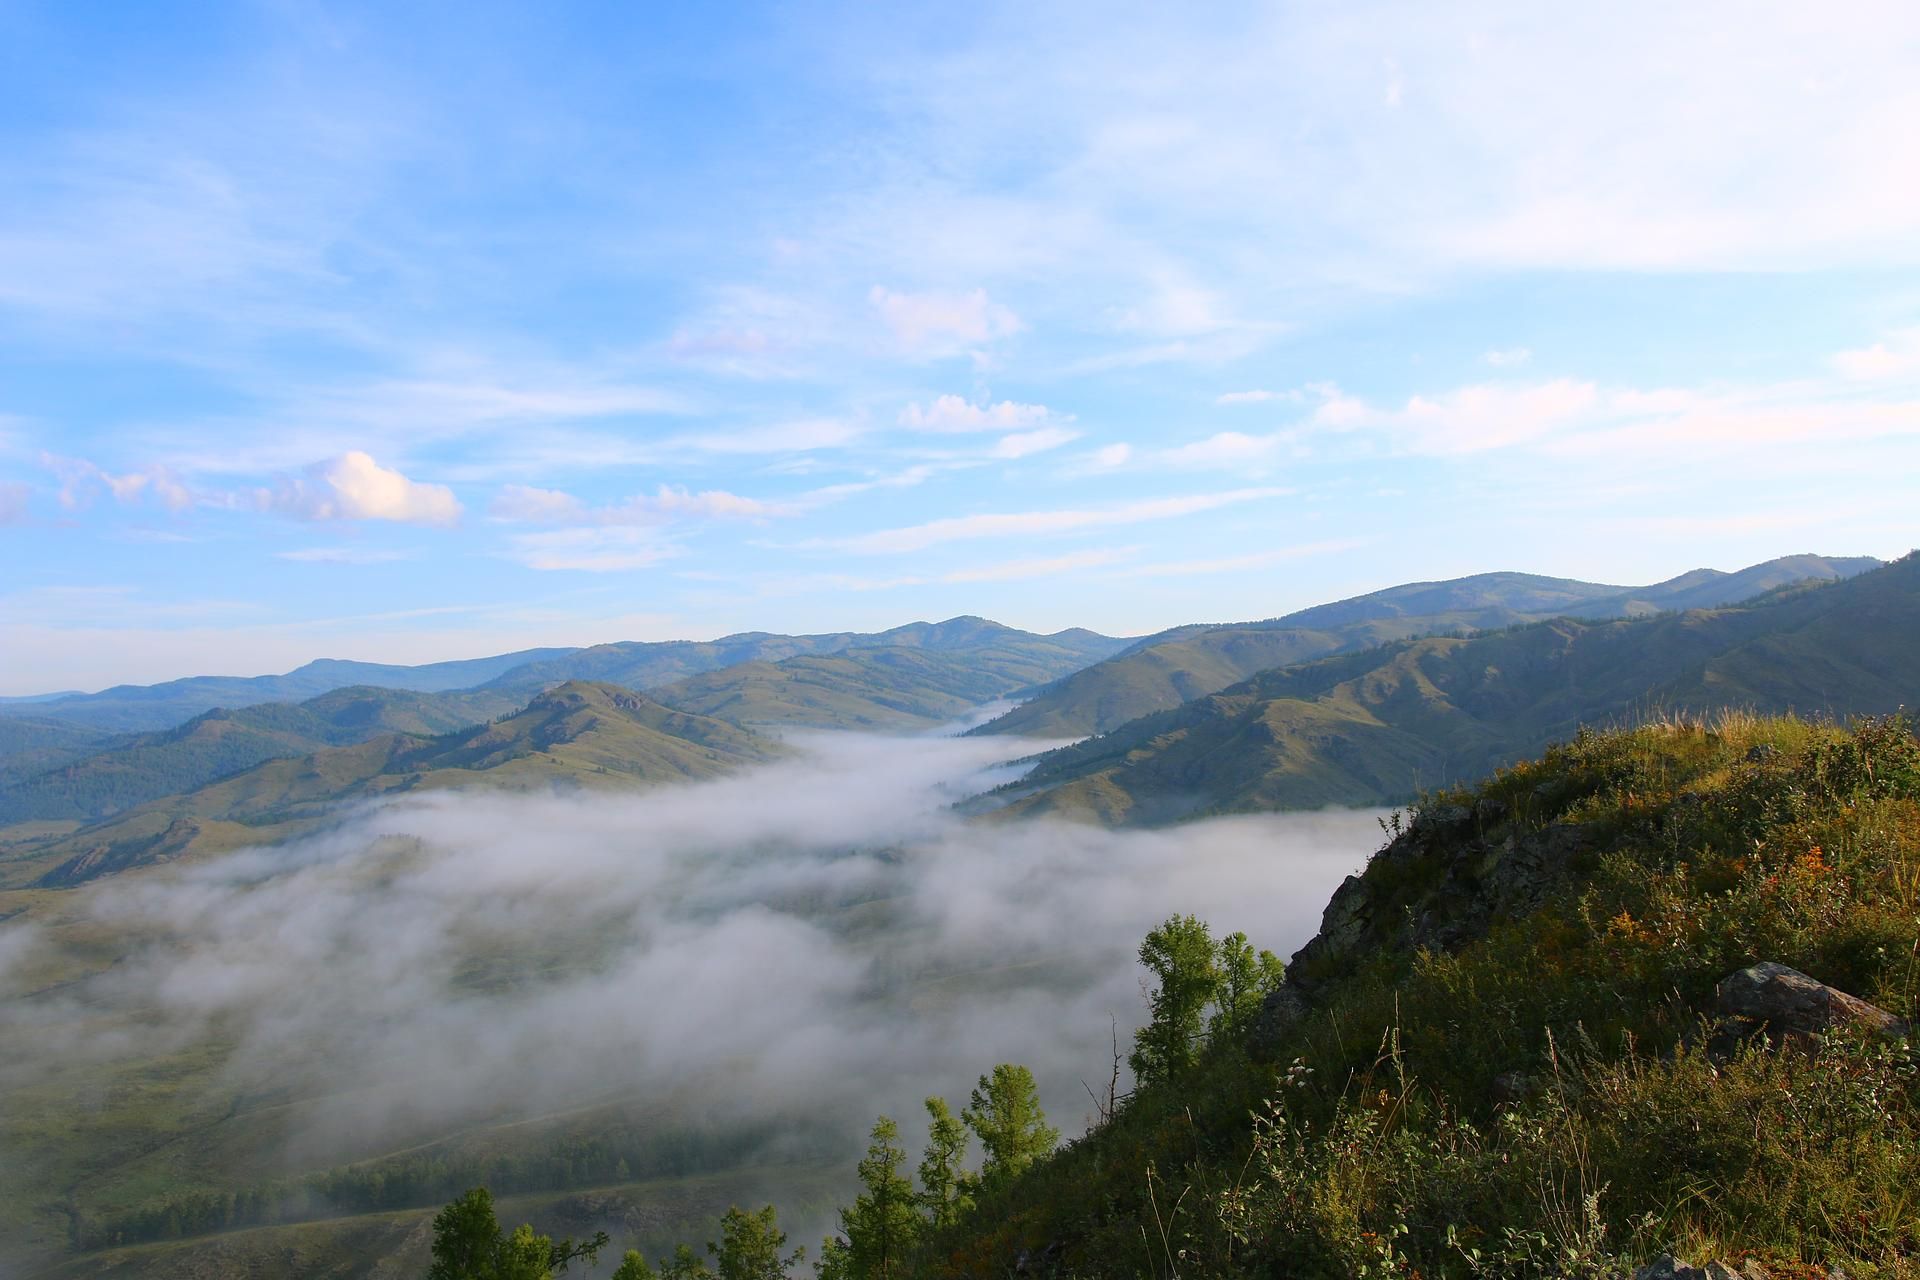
(416, 332)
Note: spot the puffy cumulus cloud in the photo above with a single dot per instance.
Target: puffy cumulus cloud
(1896, 356)
(795, 948)
(940, 323)
(957, 413)
(355, 487)
(1468, 419)
(1025, 443)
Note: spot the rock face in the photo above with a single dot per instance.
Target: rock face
(1789, 1006)
(1668, 1267)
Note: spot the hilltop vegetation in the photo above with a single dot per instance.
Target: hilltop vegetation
(1374, 726)
(1192, 662)
(1499, 1057)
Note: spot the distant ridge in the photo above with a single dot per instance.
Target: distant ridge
(1371, 727)
(1189, 662)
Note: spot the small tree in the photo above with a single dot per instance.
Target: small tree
(943, 1191)
(1180, 953)
(750, 1246)
(1004, 1113)
(883, 1224)
(634, 1267)
(468, 1245)
(685, 1264)
(1246, 978)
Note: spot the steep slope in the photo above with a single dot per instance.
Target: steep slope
(1375, 726)
(122, 772)
(1191, 662)
(892, 687)
(145, 708)
(580, 734)
(1528, 1041)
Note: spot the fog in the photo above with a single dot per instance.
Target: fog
(818, 937)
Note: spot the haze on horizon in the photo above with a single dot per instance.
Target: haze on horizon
(334, 330)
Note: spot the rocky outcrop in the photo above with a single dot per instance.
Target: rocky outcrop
(1668, 1267)
(1790, 1007)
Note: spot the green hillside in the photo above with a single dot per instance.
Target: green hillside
(1372, 727)
(125, 771)
(28, 745)
(1531, 1040)
(580, 734)
(1191, 662)
(893, 687)
(650, 665)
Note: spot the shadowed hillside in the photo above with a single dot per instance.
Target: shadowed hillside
(1191, 662)
(1374, 726)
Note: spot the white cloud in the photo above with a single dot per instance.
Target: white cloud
(1026, 443)
(13, 502)
(601, 549)
(935, 323)
(1507, 357)
(957, 413)
(341, 555)
(1469, 419)
(1107, 457)
(355, 487)
(1225, 449)
(783, 437)
(1012, 570)
(81, 481)
(1254, 397)
(1898, 355)
(1032, 523)
(665, 504)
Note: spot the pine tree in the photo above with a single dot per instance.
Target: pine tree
(1004, 1113)
(750, 1246)
(883, 1224)
(943, 1189)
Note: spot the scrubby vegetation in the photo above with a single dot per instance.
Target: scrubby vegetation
(1453, 1091)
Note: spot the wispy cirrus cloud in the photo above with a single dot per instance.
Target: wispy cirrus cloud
(942, 323)
(1043, 523)
(957, 414)
(666, 504)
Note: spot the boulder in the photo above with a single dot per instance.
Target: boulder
(1790, 1007)
(1668, 1267)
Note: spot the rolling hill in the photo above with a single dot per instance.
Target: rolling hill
(892, 687)
(121, 772)
(580, 734)
(1171, 669)
(1375, 726)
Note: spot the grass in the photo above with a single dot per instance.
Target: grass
(1533, 1098)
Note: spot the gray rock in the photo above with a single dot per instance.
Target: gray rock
(1668, 1267)
(1790, 1007)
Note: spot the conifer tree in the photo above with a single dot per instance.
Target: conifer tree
(882, 1225)
(750, 1246)
(943, 1184)
(1004, 1113)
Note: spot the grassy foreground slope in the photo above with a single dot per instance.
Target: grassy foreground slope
(1375, 726)
(1192, 662)
(1493, 1060)
(580, 734)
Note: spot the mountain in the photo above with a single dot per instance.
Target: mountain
(895, 687)
(1172, 668)
(646, 665)
(1376, 726)
(28, 744)
(579, 734)
(131, 708)
(121, 772)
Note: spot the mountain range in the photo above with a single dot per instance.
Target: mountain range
(1166, 670)
(1378, 725)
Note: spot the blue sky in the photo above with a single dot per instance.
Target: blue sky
(425, 331)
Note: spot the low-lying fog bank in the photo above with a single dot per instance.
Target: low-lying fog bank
(818, 937)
